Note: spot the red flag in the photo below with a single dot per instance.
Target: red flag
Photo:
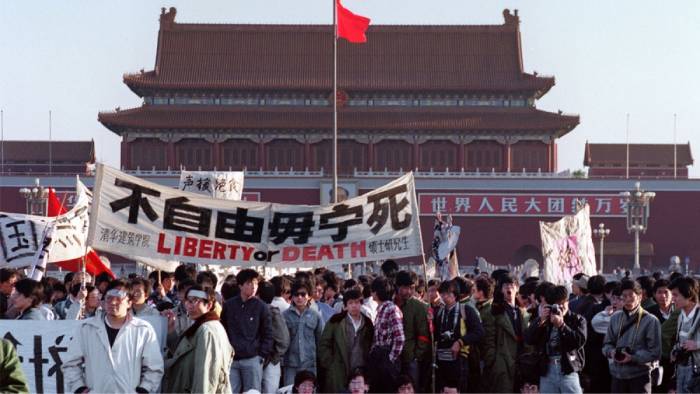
(351, 27)
(93, 264)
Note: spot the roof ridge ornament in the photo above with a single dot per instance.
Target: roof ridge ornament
(167, 19)
(511, 19)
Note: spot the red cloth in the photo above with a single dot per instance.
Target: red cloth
(351, 27)
(93, 265)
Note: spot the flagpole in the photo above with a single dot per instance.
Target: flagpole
(2, 141)
(627, 143)
(335, 101)
(50, 147)
(675, 150)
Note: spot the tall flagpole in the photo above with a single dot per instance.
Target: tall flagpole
(627, 143)
(335, 101)
(675, 150)
(2, 142)
(50, 147)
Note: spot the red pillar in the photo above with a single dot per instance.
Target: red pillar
(508, 156)
(172, 161)
(261, 153)
(370, 156)
(216, 155)
(416, 156)
(307, 156)
(460, 157)
(550, 156)
(125, 162)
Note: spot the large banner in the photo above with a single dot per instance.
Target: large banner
(42, 344)
(137, 218)
(224, 185)
(72, 228)
(567, 247)
(24, 239)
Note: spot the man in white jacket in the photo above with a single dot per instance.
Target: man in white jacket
(114, 352)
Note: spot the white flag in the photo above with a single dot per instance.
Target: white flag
(567, 247)
(72, 228)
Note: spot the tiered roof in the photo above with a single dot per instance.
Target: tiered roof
(350, 118)
(640, 154)
(479, 59)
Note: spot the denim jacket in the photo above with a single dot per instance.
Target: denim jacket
(304, 336)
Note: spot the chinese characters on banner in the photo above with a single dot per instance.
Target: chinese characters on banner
(72, 228)
(516, 204)
(138, 218)
(24, 239)
(223, 185)
(567, 247)
(42, 346)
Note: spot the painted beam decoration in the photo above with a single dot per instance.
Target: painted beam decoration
(519, 204)
(137, 218)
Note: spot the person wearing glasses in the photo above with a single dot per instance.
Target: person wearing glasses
(113, 352)
(202, 359)
(305, 326)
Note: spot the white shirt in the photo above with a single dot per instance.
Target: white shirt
(369, 308)
(280, 303)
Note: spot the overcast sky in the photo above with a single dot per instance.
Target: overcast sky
(609, 58)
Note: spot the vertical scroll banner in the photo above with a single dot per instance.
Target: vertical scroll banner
(137, 218)
(224, 185)
(567, 247)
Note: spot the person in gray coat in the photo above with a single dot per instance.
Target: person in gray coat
(632, 343)
(305, 326)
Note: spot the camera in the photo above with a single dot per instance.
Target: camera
(681, 355)
(619, 353)
(554, 309)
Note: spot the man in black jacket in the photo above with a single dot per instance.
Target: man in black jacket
(248, 324)
(559, 335)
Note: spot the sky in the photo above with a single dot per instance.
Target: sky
(610, 59)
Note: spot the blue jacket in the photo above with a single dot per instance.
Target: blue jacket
(305, 335)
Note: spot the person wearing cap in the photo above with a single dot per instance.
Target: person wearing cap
(202, 359)
(113, 352)
(579, 289)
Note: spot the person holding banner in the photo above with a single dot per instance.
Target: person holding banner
(201, 361)
(114, 352)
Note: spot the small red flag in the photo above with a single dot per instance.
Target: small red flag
(351, 27)
(93, 263)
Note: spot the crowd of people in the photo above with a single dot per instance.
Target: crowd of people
(386, 333)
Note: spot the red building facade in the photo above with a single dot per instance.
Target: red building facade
(650, 161)
(413, 97)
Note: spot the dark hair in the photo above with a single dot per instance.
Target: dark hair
(434, 282)
(357, 372)
(611, 286)
(464, 285)
(596, 284)
(389, 268)
(687, 286)
(301, 377)
(350, 284)
(556, 295)
(207, 276)
(497, 274)
(140, 281)
(541, 290)
(647, 284)
(674, 275)
(405, 278)
(266, 291)
(103, 277)
(185, 271)
(75, 289)
(68, 277)
(421, 287)
(281, 285)
(404, 380)
(229, 290)
(383, 288)
(661, 283)
(211, 294)
(305, 275)
(185, 284)
(246, 275)
(485, 285)
(629, 284)
(7, 273)
(31, 288)
(301, 285)
(352, 294)
(527, 289)
(449, 286)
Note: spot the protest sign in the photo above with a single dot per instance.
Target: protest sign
(24, 239)
(224, 185)
(567, 247)
(41, 344)
(137, 218)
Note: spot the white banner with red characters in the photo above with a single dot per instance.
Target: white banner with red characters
(519, 204)
(137, 218)
(567, 247)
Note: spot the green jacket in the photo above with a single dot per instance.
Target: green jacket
(500, 349)
(333, 351)
(668, 334)
(201, 363)
(12, 379)
(415, 330)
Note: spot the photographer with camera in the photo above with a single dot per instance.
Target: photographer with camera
(559, 336)
(457, 328)
(686, 351)
(632, 343)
